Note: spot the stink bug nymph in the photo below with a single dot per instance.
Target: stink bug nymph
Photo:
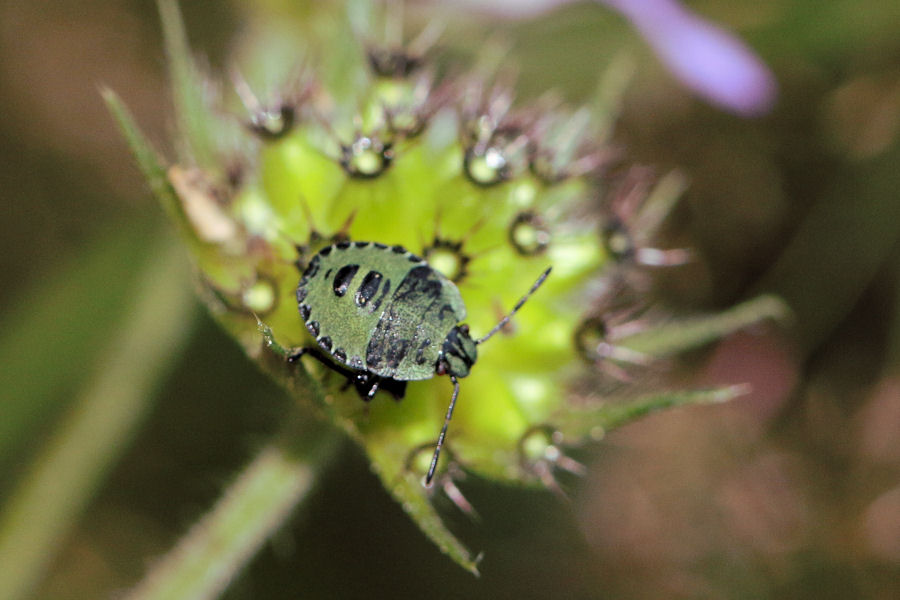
(382, 316)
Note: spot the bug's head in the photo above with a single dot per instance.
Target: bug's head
(458, 354)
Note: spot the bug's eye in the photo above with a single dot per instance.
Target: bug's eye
(464, 328)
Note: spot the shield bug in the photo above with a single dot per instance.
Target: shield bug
(381, 316)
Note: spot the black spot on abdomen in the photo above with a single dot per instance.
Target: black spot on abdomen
(343, 278)
(446, 310)
(396, 352)
(385, 290)
(419, 285)
(312, 269)
(368, 288)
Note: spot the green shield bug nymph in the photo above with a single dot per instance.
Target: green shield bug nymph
(382, 316)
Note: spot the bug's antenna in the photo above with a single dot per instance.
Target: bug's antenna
(522, 300)
(440, 442)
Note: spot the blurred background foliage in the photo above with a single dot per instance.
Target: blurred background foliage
(792, 492)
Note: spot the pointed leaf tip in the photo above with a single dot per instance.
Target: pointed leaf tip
(196, 123)
(414, 501)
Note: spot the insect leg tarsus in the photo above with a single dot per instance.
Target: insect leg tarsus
(296, 354)
(366, 385)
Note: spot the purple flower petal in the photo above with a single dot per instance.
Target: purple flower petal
(708, 59)
(714, 63)
(512, 9)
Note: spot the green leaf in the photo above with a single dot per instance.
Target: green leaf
(58, 328)
(609, 416)
(678, 336)
(149, 162)
(196, 122)
(409, 493)
(71, 466)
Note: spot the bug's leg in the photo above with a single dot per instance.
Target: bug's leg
(295, 354)
(366, 384)
(317, 354)
(440, 442)
(373, 387)
(396, 388)
(369, 384)
(320, 356)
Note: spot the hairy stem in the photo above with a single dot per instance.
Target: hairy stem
(216, 548)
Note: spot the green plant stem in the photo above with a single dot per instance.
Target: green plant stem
(71, 467)
(216, 548)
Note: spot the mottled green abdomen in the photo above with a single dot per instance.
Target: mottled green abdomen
(378, 308)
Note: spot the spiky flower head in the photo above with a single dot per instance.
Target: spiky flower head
(325, 131)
